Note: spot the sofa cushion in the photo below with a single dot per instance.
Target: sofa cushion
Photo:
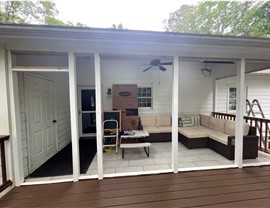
(184, 122)
(163, 120)
(204, 120)
(230, 128)
(195, 120)
(165, 129)
(148, 121)
(245, 129)
(191, 132)
(219, 137)
(152, 129)
(217, 124)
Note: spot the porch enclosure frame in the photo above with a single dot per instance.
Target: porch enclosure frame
(13, 86)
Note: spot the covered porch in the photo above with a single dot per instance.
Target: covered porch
(88, 63)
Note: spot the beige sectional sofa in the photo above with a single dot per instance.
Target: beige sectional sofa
(159, 127)
(218, 135)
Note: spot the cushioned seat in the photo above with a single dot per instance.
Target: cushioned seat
(151, 129)
(191, 132)
(165, 129)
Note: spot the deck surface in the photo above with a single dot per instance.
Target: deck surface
(247, 187)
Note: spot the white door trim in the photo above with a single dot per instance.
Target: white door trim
(27, 110)
(80, 111)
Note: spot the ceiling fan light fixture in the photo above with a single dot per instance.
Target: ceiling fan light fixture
(206, 72)
(157, 62)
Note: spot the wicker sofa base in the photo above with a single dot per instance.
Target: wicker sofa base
(193, 143)
(250, 145)
(160, 137)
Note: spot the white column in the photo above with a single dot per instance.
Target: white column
(15, 136)
(240, 107)
(175, 115)
(99, 116)
(4, 120)
(215, 94)
(74, 116)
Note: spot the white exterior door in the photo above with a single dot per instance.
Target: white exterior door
(40, 104)
(87, 111)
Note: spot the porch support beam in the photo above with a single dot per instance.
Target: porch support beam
(240, 107)
(215, 94)
(175, 114)
(74, 116)
(99, 115)
(15, 136)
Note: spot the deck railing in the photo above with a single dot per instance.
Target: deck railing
(261, 125)
(5, 182)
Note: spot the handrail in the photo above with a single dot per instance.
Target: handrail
(5, 183)
(261, 125)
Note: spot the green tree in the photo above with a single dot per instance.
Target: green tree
(119, 26)
(31, 12)
(249, 18)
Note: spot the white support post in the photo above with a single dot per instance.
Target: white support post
(175, 115)
(15, 136)
(215, 94)
(74, 116)
(99, 116)
(240, 107)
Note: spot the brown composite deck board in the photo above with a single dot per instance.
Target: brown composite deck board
(228, 187)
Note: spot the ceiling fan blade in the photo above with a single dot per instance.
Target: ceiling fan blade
(166, 63)
(162, 68)
(147, 68)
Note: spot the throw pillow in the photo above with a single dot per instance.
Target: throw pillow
(184, 122)
(195, 120)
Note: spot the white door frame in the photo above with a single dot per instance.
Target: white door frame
(27, 110)
(80, 111)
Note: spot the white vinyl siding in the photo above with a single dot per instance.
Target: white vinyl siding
(258, 87)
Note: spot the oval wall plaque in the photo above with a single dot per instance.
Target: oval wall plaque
(125, 94)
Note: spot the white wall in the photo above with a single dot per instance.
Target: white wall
(62, 112)
(195, 90)
(258, 88)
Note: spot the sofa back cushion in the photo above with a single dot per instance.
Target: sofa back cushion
(204, 120)
(148, 121)
(230, 128)
(164, 120)
(217, 124)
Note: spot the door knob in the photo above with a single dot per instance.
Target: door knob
(54, 121)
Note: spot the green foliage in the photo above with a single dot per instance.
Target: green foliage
(246, 18)
(119, 26)
(31, 12)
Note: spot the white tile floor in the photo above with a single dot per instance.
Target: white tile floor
(160, 159)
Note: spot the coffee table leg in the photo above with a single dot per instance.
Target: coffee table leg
(123, 153)
(147, 152)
